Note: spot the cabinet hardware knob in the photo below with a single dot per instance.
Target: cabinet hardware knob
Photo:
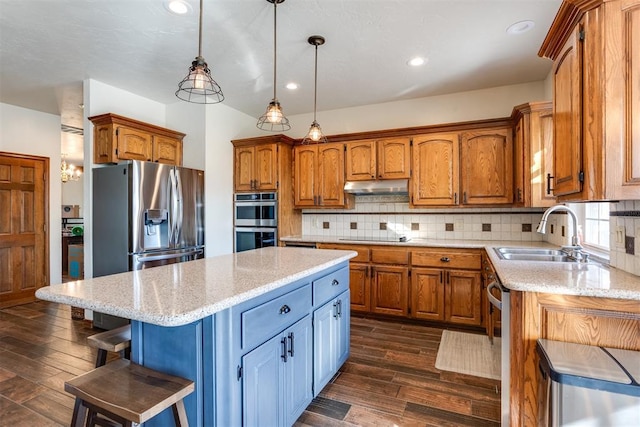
(335, 282)
(285, 309)
(445, 259)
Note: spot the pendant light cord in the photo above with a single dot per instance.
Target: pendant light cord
(275, 44)
(315, 91)
(200, 32)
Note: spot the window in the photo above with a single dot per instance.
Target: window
(594, 218)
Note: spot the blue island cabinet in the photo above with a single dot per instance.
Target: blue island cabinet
(254, 363)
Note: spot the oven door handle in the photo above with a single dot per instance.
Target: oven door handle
(493, 300)
(256, 229)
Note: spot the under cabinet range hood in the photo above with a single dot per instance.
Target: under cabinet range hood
(383, 186)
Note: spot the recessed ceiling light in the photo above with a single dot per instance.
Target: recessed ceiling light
(417, 61)
(292, 86)
(520, 27)
(179, 7)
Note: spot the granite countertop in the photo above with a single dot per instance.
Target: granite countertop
(178, 294)
(566, 278)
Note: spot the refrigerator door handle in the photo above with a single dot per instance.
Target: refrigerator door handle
(168, 256)
(179, 206)
(173, 209)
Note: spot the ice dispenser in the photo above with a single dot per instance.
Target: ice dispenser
(156, 229)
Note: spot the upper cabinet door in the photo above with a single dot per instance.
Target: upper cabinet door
(331, 174)
(487, 172)
(394, 158)
(567, 105)
(244, 161)
(266, 167)
(435, 170)
(133, 144)
(167, 150)
(361, 160)
(304, 174)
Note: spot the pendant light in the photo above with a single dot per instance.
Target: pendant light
(198, 87)
(315, 136)
(273, 119)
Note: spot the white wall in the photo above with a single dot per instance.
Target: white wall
(31, 132)
(223, 124)
(456, 107)
(73, 193)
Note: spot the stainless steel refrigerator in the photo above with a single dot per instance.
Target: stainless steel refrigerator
(145, 214)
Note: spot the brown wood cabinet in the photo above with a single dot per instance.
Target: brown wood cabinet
(390, 281)
(256, 167)
(463, 168)
(596, 321)
(533, 154)
(442, 285)
(378, 159)
(268, 162)
(436, 170)
(486, 162)
(594, 47)
(119, 138)
(319, 176)
(449, 288)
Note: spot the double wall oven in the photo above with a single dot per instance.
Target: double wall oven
(255, 220)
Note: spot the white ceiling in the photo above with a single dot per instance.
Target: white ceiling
(49, 46)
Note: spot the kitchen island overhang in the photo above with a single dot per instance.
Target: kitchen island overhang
(198, 320)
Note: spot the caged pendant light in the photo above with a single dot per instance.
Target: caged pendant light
(199, 87)
(274, 119)
(315, 136)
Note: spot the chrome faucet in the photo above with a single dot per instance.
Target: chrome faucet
(575, 250)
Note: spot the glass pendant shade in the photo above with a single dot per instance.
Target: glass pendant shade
(274, 119)
(315, 135)
(199, 87)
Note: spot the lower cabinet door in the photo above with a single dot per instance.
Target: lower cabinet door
(343, 329)
(277, 378)
(324, 331)
(298, 370)
(261, 384)
(331, 328)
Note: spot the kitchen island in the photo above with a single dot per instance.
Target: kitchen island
(231, 323)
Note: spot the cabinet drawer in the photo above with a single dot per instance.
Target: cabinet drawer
(264, 321)
(363, 251)
(446, 258)
(330, 285)
(389, 256)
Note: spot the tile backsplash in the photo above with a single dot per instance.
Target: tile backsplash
(388, 217)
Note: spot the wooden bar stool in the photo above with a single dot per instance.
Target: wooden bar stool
(127, 393)
(117, 340)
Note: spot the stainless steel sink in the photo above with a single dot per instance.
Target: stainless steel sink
(533, 254)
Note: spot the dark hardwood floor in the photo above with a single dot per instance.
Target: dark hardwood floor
(389, 380)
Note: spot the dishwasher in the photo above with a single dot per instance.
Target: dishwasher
(588, 386)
